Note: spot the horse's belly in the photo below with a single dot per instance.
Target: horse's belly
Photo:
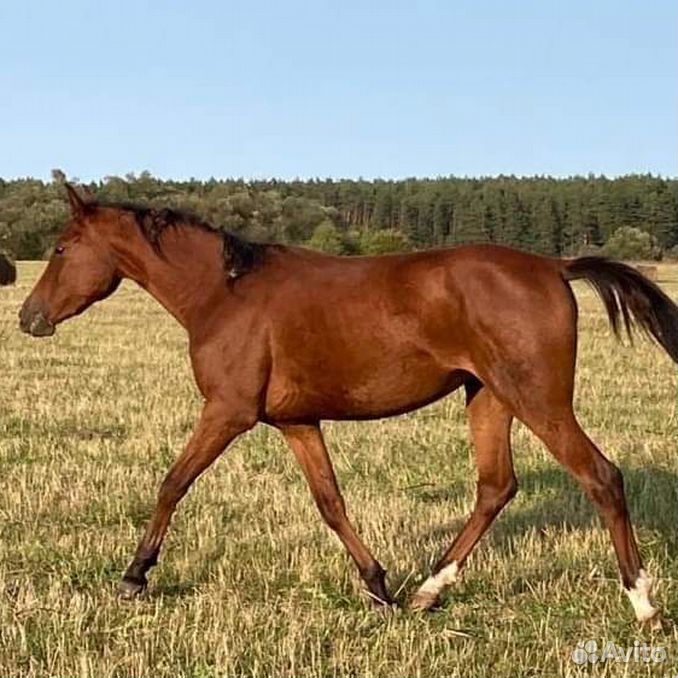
(380, 390)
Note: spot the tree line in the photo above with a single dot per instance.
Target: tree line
(562, 217)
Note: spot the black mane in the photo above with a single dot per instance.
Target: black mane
(240, 256)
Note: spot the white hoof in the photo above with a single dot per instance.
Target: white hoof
(639, 596)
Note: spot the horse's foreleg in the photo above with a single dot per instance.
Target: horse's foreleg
(490, 424)
(309, 448)
(215, 430)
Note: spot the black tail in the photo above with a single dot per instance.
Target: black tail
(7, 271)
(628, 294)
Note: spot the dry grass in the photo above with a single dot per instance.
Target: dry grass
(251, 583)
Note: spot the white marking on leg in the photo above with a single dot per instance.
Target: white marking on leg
(639, 596)
(428, 592)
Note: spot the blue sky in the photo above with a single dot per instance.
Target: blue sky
(340, 89)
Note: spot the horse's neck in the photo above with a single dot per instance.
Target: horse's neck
(185, 278)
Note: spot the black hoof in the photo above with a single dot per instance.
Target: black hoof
(129, 590)
(383, 602)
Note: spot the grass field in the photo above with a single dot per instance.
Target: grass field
(251, 582)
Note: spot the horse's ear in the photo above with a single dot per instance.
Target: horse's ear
(87, 194)
(79, 205)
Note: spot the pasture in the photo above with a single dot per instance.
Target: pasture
(251, 582)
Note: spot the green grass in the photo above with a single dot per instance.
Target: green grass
(251, 582)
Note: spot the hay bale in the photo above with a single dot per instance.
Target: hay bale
(650, 272)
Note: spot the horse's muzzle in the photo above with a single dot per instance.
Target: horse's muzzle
(33, 321)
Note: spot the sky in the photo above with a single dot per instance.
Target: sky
(376, 88)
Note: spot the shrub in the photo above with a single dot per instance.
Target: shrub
(326, 238)
(384, 241)
(632, 243)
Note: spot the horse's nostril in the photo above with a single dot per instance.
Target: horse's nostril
(24, 323)
(40, 326)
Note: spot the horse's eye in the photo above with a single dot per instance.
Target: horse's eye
(59, 249)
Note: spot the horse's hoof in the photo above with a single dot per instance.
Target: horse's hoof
(423, 602)
(129, 590)
(655, 622)
(383, 605)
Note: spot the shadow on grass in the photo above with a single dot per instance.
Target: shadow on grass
(651, 494)
(175, 589)
(553, 501)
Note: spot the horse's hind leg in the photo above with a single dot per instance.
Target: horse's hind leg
(490, 423)
(603, 483)
(538, 387)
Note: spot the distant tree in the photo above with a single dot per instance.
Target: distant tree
(539, 214)
(441, 221)
(547, 227)
(299, 218)
(516, 229)
(382, 216)
(326, 238)
(409, 215)
(628, 242)
(469, 222)
(384, 241)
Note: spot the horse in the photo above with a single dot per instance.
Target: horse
(7, 271)
(289, 337)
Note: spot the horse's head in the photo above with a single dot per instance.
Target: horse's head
(81, 271)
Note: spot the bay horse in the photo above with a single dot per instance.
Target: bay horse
(290, 337)
(7, 270)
